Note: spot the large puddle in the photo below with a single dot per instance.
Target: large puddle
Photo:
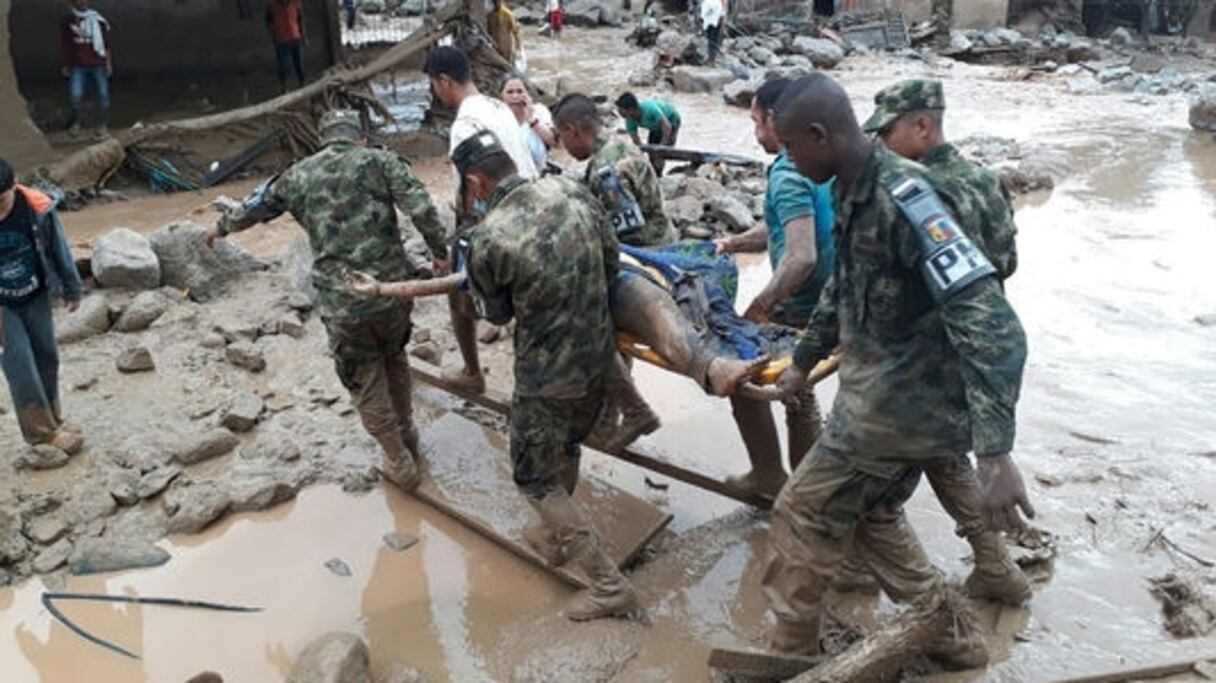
(1117, 441)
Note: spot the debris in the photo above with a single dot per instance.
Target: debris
(1188, 611)
(333, 658)
(98, 555)
(728, 209)
(154, 482)
(192, 507)
(427, 351)
(657, 486)
(46, 529)
(247, 355)
(400, 542)
(142, 312)
(54, 557)
(203, 447)
(123, 485)
(1160, 539)
(243, 413)
(338, 567)
(229, 166)
(135, 359)
(124, 259)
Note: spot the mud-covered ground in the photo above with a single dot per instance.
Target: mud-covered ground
(1117, 438)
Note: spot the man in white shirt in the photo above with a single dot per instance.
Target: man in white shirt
(712, 12)
(451, 79)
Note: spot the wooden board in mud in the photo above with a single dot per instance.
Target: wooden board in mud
(470, 480)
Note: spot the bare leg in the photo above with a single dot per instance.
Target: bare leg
(464, 326)
(759, 431)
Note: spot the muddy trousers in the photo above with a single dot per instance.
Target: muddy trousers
(754, 418)
(829, 509)
(31, 367)
(370, 358)
(647, 311)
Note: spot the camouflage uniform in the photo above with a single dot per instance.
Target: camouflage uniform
(919, 381)
(988, 202)
(345, 197)
(548, 248)
(979, 195)
(637, 176)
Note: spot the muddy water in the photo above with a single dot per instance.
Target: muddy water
(1116, 441)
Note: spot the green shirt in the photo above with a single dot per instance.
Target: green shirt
(653, 113)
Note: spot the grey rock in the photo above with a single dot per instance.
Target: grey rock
(1115, 73)
(584, 13)
(428, 352)
(90, 501)
(97, 555)
(42, 457)
(206, 677)
(243, 413)
(261, 489)
(54, 557)
(733, 213)
(203, 447)
(6, 579)
(333, 658)
(700, 189)
(188, 264)
(400, 542)
(1147, 64)
(90, 320)
(123, 484)
(1203, 109)
(609, 16)
(823, 53)
(13, 546)
(1122, 37)
(299, 302)
(744, 43)
(235, 329)
(694, 79)
(142, 312)
(338, 567)
(698, 232)
(643, 78)
(685, 211)
(46, 529)
(153, 483)
(740, 92)
(212, 341)
(761, 55)
(399, 673)
(291, 326)
(135, 359)
(1206, 320)
(125, 259)
(246, 355)
(191, 508)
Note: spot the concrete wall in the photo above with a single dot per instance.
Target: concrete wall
(164, 38)
(23, 145)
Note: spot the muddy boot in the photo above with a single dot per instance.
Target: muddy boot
(68, 442)
(754, 420)
(962, 644)
(610, 594)
(637, 419)
(399, 465)
(543, 542)
(726, 374)
(853, 576)
(995, 577)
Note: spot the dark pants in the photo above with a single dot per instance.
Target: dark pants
(78, 80)
(350, 15)
(31, 367)
(714, 33)
(290, 55)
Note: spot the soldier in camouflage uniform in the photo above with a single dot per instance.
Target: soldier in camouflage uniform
(544, 255)
(931, 369)
(908, 117)
(345, 197)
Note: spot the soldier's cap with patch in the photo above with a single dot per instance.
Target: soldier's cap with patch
(475, 149)
(341, 124)
(902, 98)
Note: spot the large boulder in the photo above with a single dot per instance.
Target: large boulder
(584, 13)
(731, 212)
(90, 320)
(142, 312)
(823, 53)
(1203, 110)
(125, 259)
(694, 79)
(333, 658)
(741, 92)
(188, 264)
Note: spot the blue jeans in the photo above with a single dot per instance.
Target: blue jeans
(31, 368)
(290, 55)
(80, 75)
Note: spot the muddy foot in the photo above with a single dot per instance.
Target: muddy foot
(464, 380)
(726, 374)
(404, 473)
(757, 485)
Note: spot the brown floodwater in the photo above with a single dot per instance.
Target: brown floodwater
(1116, 440)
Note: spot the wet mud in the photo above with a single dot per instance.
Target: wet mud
(1116, 441)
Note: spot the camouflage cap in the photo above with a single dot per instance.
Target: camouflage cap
(341, 124)
(904, 97)
(473, 150)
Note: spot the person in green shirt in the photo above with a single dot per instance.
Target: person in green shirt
(660, 119)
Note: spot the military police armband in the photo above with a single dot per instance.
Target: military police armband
(950, 261)
(254, 207)
(627, 217)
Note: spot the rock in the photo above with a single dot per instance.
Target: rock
(1203, 109)
(609, 17)
(125, 259)
(584, 13)
(681, 46)
(1116, 73)
(154, 482)
(123, 485)
(188, 264)
(42, 457)
(212, 341)
(90, 502)
(142, 312)
(338, 567)
(97, 555)
(399, 673)
(1207, 320)
(260, 484)
(54, 557)
(90, 320)
(135, 359)
(299, 302)
(761, 55)
(733, 213)
(741, 92)
(333, 658)
(246, 355)
(279, 449)
(213, 444)
(400, 542)
(700, 189)
(1147, 64)
(823, 53)
(698, 232)
(643, 78)
(695, 79)
(13, 546)
(242, 415)
(959, 42)
(46, 529)
(685, 211)
(410, 8)
(1122, 37)
(290, 325)
(428, 352)
(744, 43)
(206, 677)
(194, 506)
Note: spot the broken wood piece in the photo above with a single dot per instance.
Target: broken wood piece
(697, 158)
(760, 664)
(227, 167)
(1143, 673)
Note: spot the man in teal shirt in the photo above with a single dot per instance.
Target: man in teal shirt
(660, 119)
(797, 233)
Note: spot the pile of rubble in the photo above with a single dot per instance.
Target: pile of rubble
(400, 8)
(714, 201)
(1022, 168)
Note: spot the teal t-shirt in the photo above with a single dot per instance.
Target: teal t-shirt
(653, 112)
(788, 197)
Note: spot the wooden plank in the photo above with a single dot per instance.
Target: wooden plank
(494, 401)
(761, 665)
(1144, 673)
(469, 479)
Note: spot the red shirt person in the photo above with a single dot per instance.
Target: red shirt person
(84, 44)
(285, 21)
